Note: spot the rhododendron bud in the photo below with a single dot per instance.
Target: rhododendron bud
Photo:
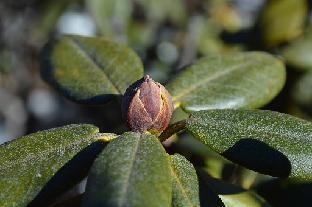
(147, 106)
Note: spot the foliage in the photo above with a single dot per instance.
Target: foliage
(225, 140)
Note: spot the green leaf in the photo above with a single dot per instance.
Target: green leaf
(241, 80)
(133, 170)
(299, 52)
(265, 141)
(91, 70)
(283, 20)
(212, 162)
(208, 196)
(185, 191)
(302, 91)
(233, 195)
(28, 163)
(243, 199)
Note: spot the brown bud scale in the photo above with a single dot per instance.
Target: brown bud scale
(147, 106)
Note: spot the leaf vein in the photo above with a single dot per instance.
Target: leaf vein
(126, 187)
(181, 187)
(96, 63)
(211, 78)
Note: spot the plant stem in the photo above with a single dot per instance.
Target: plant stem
(172, 129)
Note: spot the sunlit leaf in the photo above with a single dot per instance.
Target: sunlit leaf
(185, 192)
(265, 141)
(90, 70)
(241, 80)
(29, 162)
(133, 170)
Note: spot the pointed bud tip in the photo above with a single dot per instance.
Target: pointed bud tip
(147, 78)
(145, 109)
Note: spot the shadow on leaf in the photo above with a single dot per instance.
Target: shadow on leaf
(260, 157)
(47, 73)
(282, 193)
(207, 196)
(213, 187)
(69, 175)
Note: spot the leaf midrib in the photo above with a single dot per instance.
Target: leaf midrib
(268, 133)
(209, 78)
(94, 62)
(181, 187)
(130, 171)
(41, 156)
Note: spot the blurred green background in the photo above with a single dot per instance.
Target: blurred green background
(167, 35)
